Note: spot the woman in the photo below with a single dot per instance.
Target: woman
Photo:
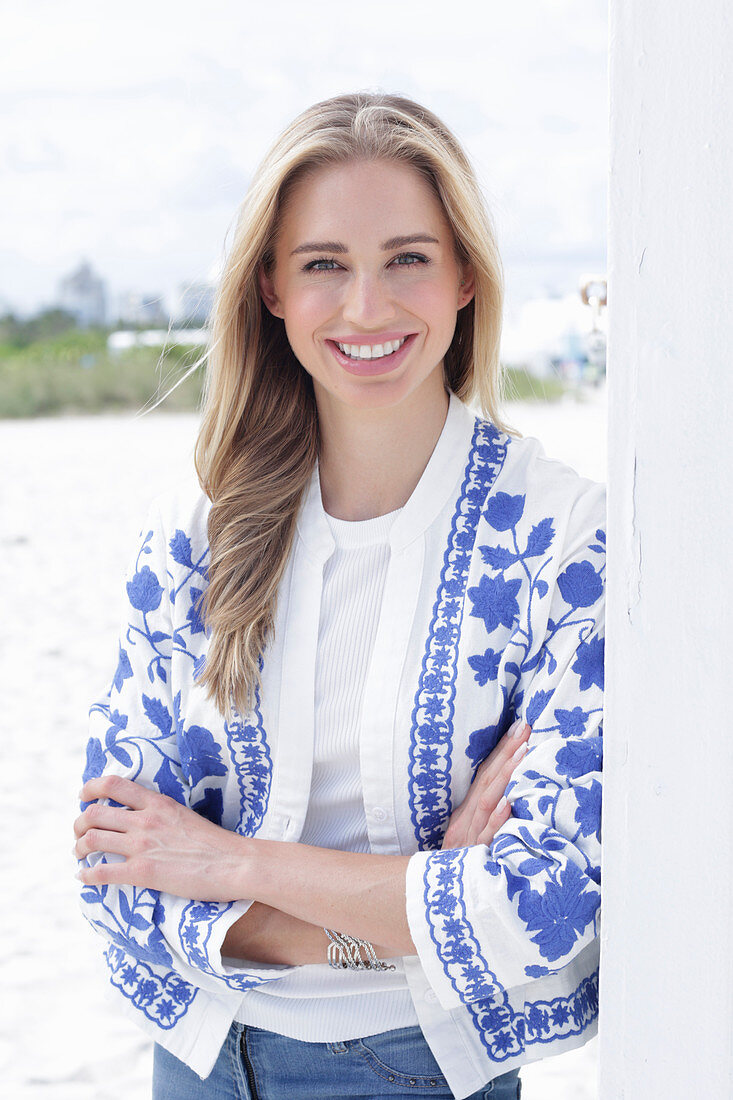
(344, 637)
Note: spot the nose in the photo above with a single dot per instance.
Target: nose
(368, 303)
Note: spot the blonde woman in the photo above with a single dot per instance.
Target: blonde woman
(341, 812)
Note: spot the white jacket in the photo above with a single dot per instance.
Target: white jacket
(493, 608)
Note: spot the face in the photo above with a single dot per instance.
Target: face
(367, 282)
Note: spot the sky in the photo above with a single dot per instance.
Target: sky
(129, 132)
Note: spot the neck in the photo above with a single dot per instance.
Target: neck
(371, 459)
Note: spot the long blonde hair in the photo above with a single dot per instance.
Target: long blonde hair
(259, 440)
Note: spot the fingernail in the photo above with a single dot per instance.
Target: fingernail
(517, 727)
(520, 752)
(500, 805)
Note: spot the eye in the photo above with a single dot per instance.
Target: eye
(326, 263)
(410, 259)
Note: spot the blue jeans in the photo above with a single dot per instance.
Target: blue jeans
(262, 1065)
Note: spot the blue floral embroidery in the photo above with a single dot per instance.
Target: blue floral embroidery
(132, 923)
(182, 553)
(555, 895)
(495, 601)
(251, 757)
(451, 931)
(130, 749)
(561, 913)
(200, 754)
(190, 761)
(505, 1033)
(194, 930)
(580, 584)
(144, 591)
(163, 997)
(124, 670)
(499, 601)
(589, 664)
(432, 716)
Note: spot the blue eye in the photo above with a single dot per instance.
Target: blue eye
(410, 259)
(319, 265)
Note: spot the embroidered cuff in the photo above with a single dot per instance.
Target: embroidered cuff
(446, 943)
(196, 931)
(483, 925)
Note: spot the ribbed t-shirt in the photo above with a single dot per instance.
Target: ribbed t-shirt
(317, 1003)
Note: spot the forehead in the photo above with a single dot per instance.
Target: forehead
(361, 199)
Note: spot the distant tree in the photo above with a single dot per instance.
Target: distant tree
(41, 326)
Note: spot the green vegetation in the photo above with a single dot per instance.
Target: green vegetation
(520, 385)
(49, 366)
(71, 370)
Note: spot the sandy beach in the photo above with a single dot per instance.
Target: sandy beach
(73, 495)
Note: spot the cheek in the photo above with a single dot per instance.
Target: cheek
(307, 310)
(436, 302)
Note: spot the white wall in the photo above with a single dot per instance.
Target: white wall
(667, 942)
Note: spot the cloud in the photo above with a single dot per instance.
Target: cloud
(137, 127)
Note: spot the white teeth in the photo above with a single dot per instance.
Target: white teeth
(370, 351)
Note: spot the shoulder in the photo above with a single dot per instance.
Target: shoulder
(545, 487)
(178, 517)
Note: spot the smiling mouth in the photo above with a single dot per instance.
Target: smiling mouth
(370, 351)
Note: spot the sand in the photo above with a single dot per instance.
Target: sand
(74, 492)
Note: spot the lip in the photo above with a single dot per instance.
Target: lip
(365, 367)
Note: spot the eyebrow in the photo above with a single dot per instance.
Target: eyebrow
(338, 248)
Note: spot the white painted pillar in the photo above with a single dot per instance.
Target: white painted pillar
(666, 1024)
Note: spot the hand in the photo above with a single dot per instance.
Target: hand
(481, 814)
(165, 846)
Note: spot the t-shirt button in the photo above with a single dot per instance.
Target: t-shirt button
(431, 996)
(379, 814)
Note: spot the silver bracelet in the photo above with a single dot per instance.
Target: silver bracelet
(343, 953)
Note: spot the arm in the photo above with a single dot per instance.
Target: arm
(269, 935)
(135, 735)
(300, 888)
(487, 919)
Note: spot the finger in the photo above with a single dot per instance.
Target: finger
(119, 789)
(517, 734)
(499, 817)
(490, 795)
(517, 756)
(490, 798)
(99, 840)
(102, 874)
(101, 816)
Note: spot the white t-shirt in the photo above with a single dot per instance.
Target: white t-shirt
(317, 1003)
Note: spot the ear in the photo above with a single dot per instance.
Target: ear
(268, 293)
(467, 289)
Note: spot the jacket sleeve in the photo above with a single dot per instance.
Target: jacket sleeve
(135, 732)
(486, 919)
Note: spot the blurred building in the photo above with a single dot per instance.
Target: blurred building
(559, 335)
(194, 303)
(84, 295)
(134, 308)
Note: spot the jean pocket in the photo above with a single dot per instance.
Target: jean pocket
(506, 1087)
(401, 1057)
